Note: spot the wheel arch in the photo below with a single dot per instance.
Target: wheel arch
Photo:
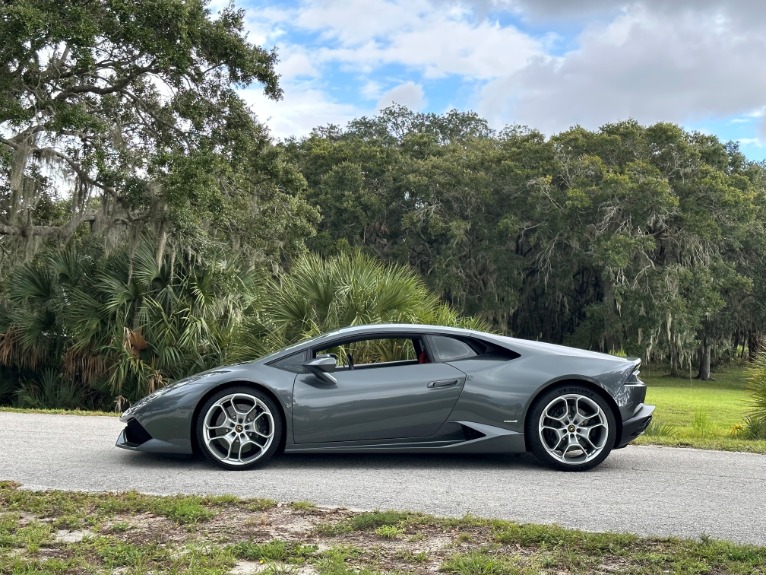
(229, 384)
(584, 383)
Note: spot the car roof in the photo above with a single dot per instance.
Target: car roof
(387, 328)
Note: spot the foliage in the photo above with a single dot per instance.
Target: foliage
(118, 118)
(120, 325)
(756, 419)
(52, 391)
(700, 414)
(83, 328)
(647, 239)
(658, 428)
(120, 121)
(320, 295)
(754, 429)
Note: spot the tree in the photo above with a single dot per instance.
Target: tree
(647, 239)
(127, 115)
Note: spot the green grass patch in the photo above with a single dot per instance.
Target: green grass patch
(274, 550)
(701, 414)
(134, 534)
(385, 523)
(304, 506)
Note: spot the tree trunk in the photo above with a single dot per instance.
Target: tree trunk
(704, 355)
(754, 345)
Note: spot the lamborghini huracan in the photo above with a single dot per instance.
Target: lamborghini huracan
(400, 388)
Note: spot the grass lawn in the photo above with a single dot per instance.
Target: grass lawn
(704, 414)
(132, 534)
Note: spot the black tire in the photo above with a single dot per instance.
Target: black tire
(239, 428)
(571, 428)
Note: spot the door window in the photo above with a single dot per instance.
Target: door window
(372, 353)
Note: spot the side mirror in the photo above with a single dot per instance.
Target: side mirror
(322, 367)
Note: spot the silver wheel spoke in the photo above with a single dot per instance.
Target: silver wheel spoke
(237, 410)
(553, 405)
(253, 409)
(584, 437)
(270, 424)
(227, 424)
(242, 444)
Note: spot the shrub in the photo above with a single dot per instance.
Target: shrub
(756, 419)
(658, 428)
(754, 428)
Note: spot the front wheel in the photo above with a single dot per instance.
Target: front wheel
(239, 428)
(571, 428)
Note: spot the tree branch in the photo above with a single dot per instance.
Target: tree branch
(64, 232)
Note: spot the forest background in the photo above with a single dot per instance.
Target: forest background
(150, 227)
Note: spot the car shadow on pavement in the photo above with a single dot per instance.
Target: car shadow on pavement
(341, 461)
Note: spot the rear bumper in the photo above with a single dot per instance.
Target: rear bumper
(636, 425)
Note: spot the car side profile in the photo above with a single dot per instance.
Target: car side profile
(400, 388)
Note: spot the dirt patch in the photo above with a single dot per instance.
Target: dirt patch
(74, 536)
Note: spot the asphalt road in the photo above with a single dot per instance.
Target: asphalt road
(644, 490)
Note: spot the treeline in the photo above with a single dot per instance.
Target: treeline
(150, 227)
(647, 240)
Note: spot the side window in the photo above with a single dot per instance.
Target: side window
(388, 350)
(451, 349)
(378, 352)
(341, 353)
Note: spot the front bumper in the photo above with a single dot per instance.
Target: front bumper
(135, 438)
(636, 425)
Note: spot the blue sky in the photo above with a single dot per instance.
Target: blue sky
(547, 64)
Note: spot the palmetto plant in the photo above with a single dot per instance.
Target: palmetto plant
(51, 390)
(166, 321)
(756, 419)
(124, 323)
(320, 295)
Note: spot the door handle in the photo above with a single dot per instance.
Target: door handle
(443, 383)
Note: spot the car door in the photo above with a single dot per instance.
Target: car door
(378, 401)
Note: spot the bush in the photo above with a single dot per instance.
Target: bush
(754, 428)
(756, 419)
(659, 428)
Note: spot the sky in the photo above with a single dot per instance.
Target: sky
(546, 64)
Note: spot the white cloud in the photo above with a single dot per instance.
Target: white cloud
(416, 34)
(351, 22)
(296, 62)
(409, 95)
(549, 64)
(372, 90)
(678, 66)
(299, 111)
(267, 26)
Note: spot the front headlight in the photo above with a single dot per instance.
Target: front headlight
(144, 400)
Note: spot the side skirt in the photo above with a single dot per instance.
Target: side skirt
(493, 440)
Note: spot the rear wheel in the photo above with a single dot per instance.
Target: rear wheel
(571, 428)
(239, 428)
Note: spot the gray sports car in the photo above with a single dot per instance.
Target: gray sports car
(400, 388)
